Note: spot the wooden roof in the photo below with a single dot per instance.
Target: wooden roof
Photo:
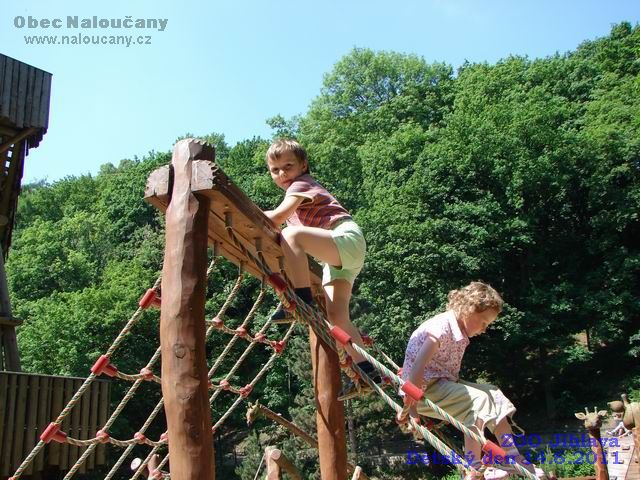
(25, 92)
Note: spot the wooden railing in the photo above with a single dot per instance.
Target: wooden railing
(28, 403)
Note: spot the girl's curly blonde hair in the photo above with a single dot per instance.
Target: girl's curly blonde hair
(475, 297)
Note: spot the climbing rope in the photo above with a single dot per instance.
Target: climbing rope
(304, 313)
(104, 366)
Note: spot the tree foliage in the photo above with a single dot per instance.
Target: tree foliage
(524, 173)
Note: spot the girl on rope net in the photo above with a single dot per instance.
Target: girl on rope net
(319, 226)
(432, 362)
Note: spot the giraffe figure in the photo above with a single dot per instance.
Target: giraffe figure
(593, 422)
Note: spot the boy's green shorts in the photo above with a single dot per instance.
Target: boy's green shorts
(352, 248)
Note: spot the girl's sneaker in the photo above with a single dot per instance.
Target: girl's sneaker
(493, 473)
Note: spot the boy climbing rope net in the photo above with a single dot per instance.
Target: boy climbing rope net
(319, 226)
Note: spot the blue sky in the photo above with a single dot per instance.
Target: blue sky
(228, 66)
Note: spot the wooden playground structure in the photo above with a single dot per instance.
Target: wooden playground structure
(28, 401)
(201, 205)
(203, 209)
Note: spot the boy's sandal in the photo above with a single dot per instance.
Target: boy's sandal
(352, 390)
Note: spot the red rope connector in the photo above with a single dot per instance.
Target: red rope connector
(399, 372)
(241, 332)
(260, 337)
(149, 299)
(224, 384)
(102, 436)
(103, 365)
(278, 346)
(278, 283)
(493, 449)
(147, 374)
(246, 390)
(140, 438)
(164, 437)
(53, 432)
(218, 323)
(413, 391)
(209, 385)
(367, 341)
(340, 335)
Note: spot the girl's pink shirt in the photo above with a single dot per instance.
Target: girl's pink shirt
(447, 360)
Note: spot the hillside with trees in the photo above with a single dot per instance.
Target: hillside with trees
(524, 173)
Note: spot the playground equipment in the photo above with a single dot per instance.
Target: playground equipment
(24, 118)
(204, 207)
(27, 401)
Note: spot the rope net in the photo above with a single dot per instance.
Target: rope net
(302, 313)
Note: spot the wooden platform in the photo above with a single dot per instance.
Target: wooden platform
(626, 455)
(229, 205)
(28, 403)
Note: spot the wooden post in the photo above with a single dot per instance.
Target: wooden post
(9, 344)
(257, 408)
(273, 469)
(332, 443)
(276, 462)
(182, 322)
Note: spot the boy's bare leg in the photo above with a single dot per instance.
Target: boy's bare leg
(154, 461)
(338, 295)
(300, 241)
(318, 242)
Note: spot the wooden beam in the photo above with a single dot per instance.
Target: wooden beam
(17, 138)
(7, 131)
(249, 223)
(11, 321)
(257, 408)
(182, 322)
